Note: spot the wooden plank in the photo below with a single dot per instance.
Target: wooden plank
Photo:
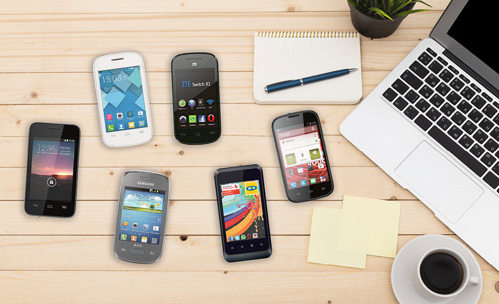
(196, 183)
(289, 254)
(166, 151)
(182, 6)
(217, 287)
(196, 218)
(37, 88)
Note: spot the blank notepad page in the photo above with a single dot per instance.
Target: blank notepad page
(280, 56)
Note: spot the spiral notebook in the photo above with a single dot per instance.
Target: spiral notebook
(285, 55)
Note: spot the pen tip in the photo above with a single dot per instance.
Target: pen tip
(266, 89)
(353, 69)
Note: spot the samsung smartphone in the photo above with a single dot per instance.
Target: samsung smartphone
(302, 156)
(196, 98)
(141, 220)
(52, 169)
(122, 98)
(242, 209)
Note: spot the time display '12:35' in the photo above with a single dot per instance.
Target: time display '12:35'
(196, 92)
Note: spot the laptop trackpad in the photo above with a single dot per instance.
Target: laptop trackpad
(438, 182)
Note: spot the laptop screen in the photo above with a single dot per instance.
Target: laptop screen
(478, 34)
(468, 31)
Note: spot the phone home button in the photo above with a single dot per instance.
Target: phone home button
(197, 134)
(137, 251)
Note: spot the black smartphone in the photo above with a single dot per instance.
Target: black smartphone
(52, 169)
(141, 220)
(302, 156)
(196, 98)
(242, 209)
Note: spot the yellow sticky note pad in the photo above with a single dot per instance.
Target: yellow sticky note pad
(381, 218)
(333, 242)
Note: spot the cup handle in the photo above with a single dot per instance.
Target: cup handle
(474, 280)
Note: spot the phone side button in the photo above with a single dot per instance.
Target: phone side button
(137, 251)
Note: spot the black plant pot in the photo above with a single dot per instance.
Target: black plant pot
(372, 27)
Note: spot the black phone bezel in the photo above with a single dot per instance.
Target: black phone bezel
(311, 192)
(243, 250)
(142, 180)
(196, 136)
(51, 207)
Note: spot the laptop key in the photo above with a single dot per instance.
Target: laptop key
(422, 105)
(432, 52)
(400, 103)
(423, 122)
(486, 125)
(458, 118)
(475, 115)
(488, 160)
(491, 145)
(390, 94)
(496, 168)
(464, 106)
(466, 141)
(464, 78)
(443, 61)
(469, 127)
(453, 69)
(496, 119)
(495, 133)
(475, 87)
(400, 86)
(435, 67)
(455, 132)
(456, 84)
(491, 179)
(477, 150)
(468, 93)
(446, 76)
(411, 79)
(486, 96)
(437, 100)
(447, 109)
(411, 96)
(433, 114)
(426, 91)
(419, 69)
(442, 89)
(455, 149)
(432, 80)
(444, 123)
(411, 112)
(480, 136)
(489, 110)
(478, 101)
(453, 97)
(425, 58)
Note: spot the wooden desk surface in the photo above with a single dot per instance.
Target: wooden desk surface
(46, 52)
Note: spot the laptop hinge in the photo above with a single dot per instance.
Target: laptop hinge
(472, 73)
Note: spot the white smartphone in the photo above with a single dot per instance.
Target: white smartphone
(122, 98)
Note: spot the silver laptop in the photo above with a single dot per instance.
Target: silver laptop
(433, 124)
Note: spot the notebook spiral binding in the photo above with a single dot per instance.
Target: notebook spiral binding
(308, 34)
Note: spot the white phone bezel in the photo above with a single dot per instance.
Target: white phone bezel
(129, 137)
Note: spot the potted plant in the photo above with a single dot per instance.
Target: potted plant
(380, 18)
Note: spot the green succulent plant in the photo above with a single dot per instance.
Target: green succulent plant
(387, 9)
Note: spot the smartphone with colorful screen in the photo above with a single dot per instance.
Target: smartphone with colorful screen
(52, 169)
(302, 156)
(242, 208)
(142, 209)
(122, 98)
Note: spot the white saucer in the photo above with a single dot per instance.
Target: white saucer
(406, 261)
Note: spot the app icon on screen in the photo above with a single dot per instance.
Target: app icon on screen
(290, 171)
(231, 238)
(323, 178)
(125, 223)
(145, 226)
(119, 115)
(248, 236)
(303, 182)
(310, 167)
(293, 185)
(123, 237)
(110, 127)
(192, 103)
(131, 125)
(181, 103)
(290, 159)
(182, 119)
(135, 225)
(109, 116)
(154, 240)
(144, 239)
(237, 238)
(201, 118)
(255, 235)
(140, 113)
(129, 114)
(200, 102)
(210, 101)
(121, 127)
(320, 166)
(211, 118)
(155, 228)
(243, 237)
(313, 180)
(142, 123)
(299, 170)
(314, 153)
(133, 238)
(192, 119)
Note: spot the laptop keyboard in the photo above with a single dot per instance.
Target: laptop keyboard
(451, 108)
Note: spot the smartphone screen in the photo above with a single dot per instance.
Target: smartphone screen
(242, 211)
(122, 99)
(141, 215)
(196, 104)
(303, 157)
(52, 169)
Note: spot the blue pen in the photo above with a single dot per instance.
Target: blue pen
(299, 82)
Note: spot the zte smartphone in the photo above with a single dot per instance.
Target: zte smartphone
(242, 210)
(122, 98)
(52, 169)
(196, 98)
(302, 156)
(141, 220)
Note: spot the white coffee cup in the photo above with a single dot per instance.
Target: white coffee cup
(432, 296)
